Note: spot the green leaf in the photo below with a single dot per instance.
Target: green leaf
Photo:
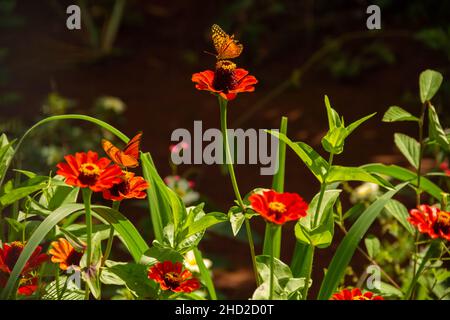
(400, 213)
(347, 247)
(158, 198)
(395, 113)
(333, 117)
(6, 154)
(237, 218)
(403, 174)
(160, 252)
(315, 163)
(132, 275)
(206, 221)
(435, 129)
(388, 291)
(340, 173)
(351, 127)
(372, 245)
(429, 83)
(65, 290)
(91, 272)
(333, 141)
(322, 234)
(285, 286)
(409, 147)
(23, 190)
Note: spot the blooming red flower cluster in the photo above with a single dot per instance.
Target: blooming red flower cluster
(445, 168)
(355, 294)
(278, 208)
(226, 80)
(431, 220)
(86, 170)
(172, 276)
(9, 254)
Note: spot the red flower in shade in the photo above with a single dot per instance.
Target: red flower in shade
(86, 170)
(431, 220)
(355, 294)
(445, 168)
(277, 207)
(226, 80)
(130, 187)
(8, 258)
(64, 253)
(171, 276)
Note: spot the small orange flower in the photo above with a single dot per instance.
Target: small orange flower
(130, 187)
(171, 276)
(226, 80)
(64, 253)
(86, 170)
(431, 220)
(355, 294)
(28, 279)
(277, 207)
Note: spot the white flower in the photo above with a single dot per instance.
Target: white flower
(183, 188)
(191, 263)
(112, 103)
(367, 192)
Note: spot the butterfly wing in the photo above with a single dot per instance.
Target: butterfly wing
(111, 150)
(227, 47)
(128, 157)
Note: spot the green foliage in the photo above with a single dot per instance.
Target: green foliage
(429, 83)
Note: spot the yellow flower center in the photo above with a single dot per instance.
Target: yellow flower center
(277, 207)
(360, 297)
(127, 175)
(444, 218)
(89, 169)
(226, 65)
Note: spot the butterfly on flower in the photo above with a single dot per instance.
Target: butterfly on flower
(226, 46)
(128, 157)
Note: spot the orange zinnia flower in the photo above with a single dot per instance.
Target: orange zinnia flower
(64, 253)
(171, 276)
(226, 80)
(431, 220)
(355, 294)
(8, 258)
(278, 208)
(86, 170)
(130, 187)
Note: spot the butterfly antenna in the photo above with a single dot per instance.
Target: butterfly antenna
(210, 53)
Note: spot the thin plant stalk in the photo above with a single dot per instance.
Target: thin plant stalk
(115, 206)
(87, 195)
(273, 230)
(112, 26)
(229, 161)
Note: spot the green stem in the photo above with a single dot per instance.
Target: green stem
(115, 206)
(113, 26)
(229, 161)
(309, 263)
(323, 187)
(274, 230)
(205, 273)
(87, 195)
(418, 191)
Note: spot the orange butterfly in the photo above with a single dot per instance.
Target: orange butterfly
(226, 46)
(128, 157)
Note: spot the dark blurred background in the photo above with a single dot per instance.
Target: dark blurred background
(138, 78)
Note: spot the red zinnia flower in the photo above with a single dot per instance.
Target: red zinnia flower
(277, 207)
(431, 220)
(226, 80)
(445, 168)
(64, 253)
(8, 258)
(86, 170)
(171, 276)
(355, 294)
(130, 187)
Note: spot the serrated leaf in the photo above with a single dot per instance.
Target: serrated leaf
(435, 129)
(409, 147)
(395, 113)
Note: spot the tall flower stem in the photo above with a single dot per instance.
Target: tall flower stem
(418, 191)
(274, 229)
(115, 206)
(87, 195)
(229, 162)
